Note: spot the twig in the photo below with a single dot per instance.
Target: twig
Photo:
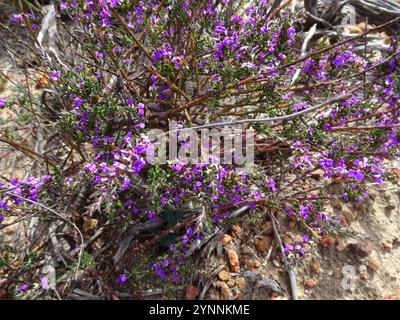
(309, 36)
(292, 276)
(279, 118)
(62, 218)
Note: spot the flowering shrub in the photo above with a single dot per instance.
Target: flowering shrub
(323, 129)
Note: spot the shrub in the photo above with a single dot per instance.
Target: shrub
(324, 123)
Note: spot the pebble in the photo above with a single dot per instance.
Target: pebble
(237, 231)
(245, 249)
(231, 283)
(327, 241)
(263, 244)
(373, 264)
(241, 283)
(315, 266)
(226, 239)
(386, 245)
(340, 247)
(310, 283)
(225, 291)
(276, 263)
(233, 260)
(89, 224)
(362, 249)
(268, 230)
(250, 264)
(191, 292)
(396, 172)
(224, 275)
(364, 276)
(349, 215)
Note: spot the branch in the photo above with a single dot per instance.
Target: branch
(280, 118)
(292, 276)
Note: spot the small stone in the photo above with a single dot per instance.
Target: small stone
(233, 260)
(286, 240)
(316, 174)
(226, 239)
(250, 264)
(225, 292)
(342, 220)
(89, 224)
(268, 230)
(364, 276)
(231, 283)
(340, 247)
(349, 215)
(373, 264)
(327, 241)
(243, 260)
(213, 296)
(263, 244)
(396, 172)
(191, 292)
(245, 249)
(337, 204)
(276, 263)
(362, 249)
(241, 283)
(386, 245)
(224, 275)
(315, 266)
(237, 231)
(310, 283)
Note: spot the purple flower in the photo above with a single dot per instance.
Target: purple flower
(22, 288)
(77, 102)
(63, 6)
(288, 248)
(300, 106)
(55, 75)
(355, 174)
(160, 272)
(271, 185)
(125, 184)
(303, 212)
(291, 32)
(114, 3)
(326, 163)
(44, 283)
(157, 56)
(1, 218)
(341, 59)
(121, 279)
(99, 55)
(140, 108)
(2, 102)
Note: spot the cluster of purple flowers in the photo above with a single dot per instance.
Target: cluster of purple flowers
(151, 61)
